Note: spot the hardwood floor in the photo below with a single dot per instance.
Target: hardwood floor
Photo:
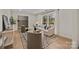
(17, 43)
(55, 43)
(60, 43)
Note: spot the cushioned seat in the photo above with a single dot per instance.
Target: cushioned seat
(49, 32)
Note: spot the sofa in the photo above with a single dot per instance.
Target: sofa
(49, 31)
(46, 34)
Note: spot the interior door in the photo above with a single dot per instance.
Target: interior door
(22, 20)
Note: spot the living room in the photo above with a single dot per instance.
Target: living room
(25, 26)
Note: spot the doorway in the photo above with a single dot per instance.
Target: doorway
(22, 20)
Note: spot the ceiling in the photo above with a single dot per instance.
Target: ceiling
(33, 11)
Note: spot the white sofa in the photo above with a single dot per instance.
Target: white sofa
(49, 32)
(46, 34)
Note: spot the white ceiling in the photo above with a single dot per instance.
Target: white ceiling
(33, 11)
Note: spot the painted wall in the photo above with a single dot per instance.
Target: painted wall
(78, 26)
(68, 24)
(65, 23)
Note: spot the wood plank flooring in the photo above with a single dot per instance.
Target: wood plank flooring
(17, 43)
(56, 43)
(60, 43)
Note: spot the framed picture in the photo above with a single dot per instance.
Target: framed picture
(44, 19)
(51, 20)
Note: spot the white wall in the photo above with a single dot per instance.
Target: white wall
(78, 26)
(68, 24)
(65, 23)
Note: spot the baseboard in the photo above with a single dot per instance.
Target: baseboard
(63, 37)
